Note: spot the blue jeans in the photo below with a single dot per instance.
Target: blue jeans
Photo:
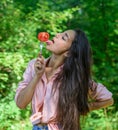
(35, 127)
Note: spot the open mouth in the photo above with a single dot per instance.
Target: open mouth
(53, 41)
(49, 42)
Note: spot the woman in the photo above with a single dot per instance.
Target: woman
(59, 86)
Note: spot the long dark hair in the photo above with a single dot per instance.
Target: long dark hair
(74, 83)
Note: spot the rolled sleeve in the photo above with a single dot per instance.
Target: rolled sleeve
(99, 92)
(27, 76)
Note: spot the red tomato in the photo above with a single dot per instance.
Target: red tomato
(43, 36)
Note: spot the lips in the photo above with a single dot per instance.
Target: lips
(49, 42)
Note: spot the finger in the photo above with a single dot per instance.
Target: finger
(40, 63)
(39, 55)
(38, 67)
(40, 60)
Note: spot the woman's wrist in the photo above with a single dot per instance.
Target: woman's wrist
(90, 106)
(37, 76)
(100, 104)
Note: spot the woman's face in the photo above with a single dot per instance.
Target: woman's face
(61, 42)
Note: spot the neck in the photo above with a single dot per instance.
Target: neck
(56, 61)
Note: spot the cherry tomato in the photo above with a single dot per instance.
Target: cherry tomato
(43, 36)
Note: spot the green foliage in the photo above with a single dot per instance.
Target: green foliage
(100, 120)
(11, 66)
(20, 23)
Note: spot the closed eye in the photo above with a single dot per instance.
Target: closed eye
(63, 38)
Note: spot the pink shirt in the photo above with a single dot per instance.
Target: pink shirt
(44, 103)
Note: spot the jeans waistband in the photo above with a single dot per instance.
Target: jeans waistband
(40, 127)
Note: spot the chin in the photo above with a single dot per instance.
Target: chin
(49, 49)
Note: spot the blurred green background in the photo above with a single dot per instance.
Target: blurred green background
(21, 20)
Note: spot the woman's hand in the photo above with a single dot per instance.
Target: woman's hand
(39, 65)
(100, 104)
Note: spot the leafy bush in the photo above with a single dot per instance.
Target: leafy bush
(21, 21)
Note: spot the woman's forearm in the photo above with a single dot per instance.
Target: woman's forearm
(25, 96)
(100, 104)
